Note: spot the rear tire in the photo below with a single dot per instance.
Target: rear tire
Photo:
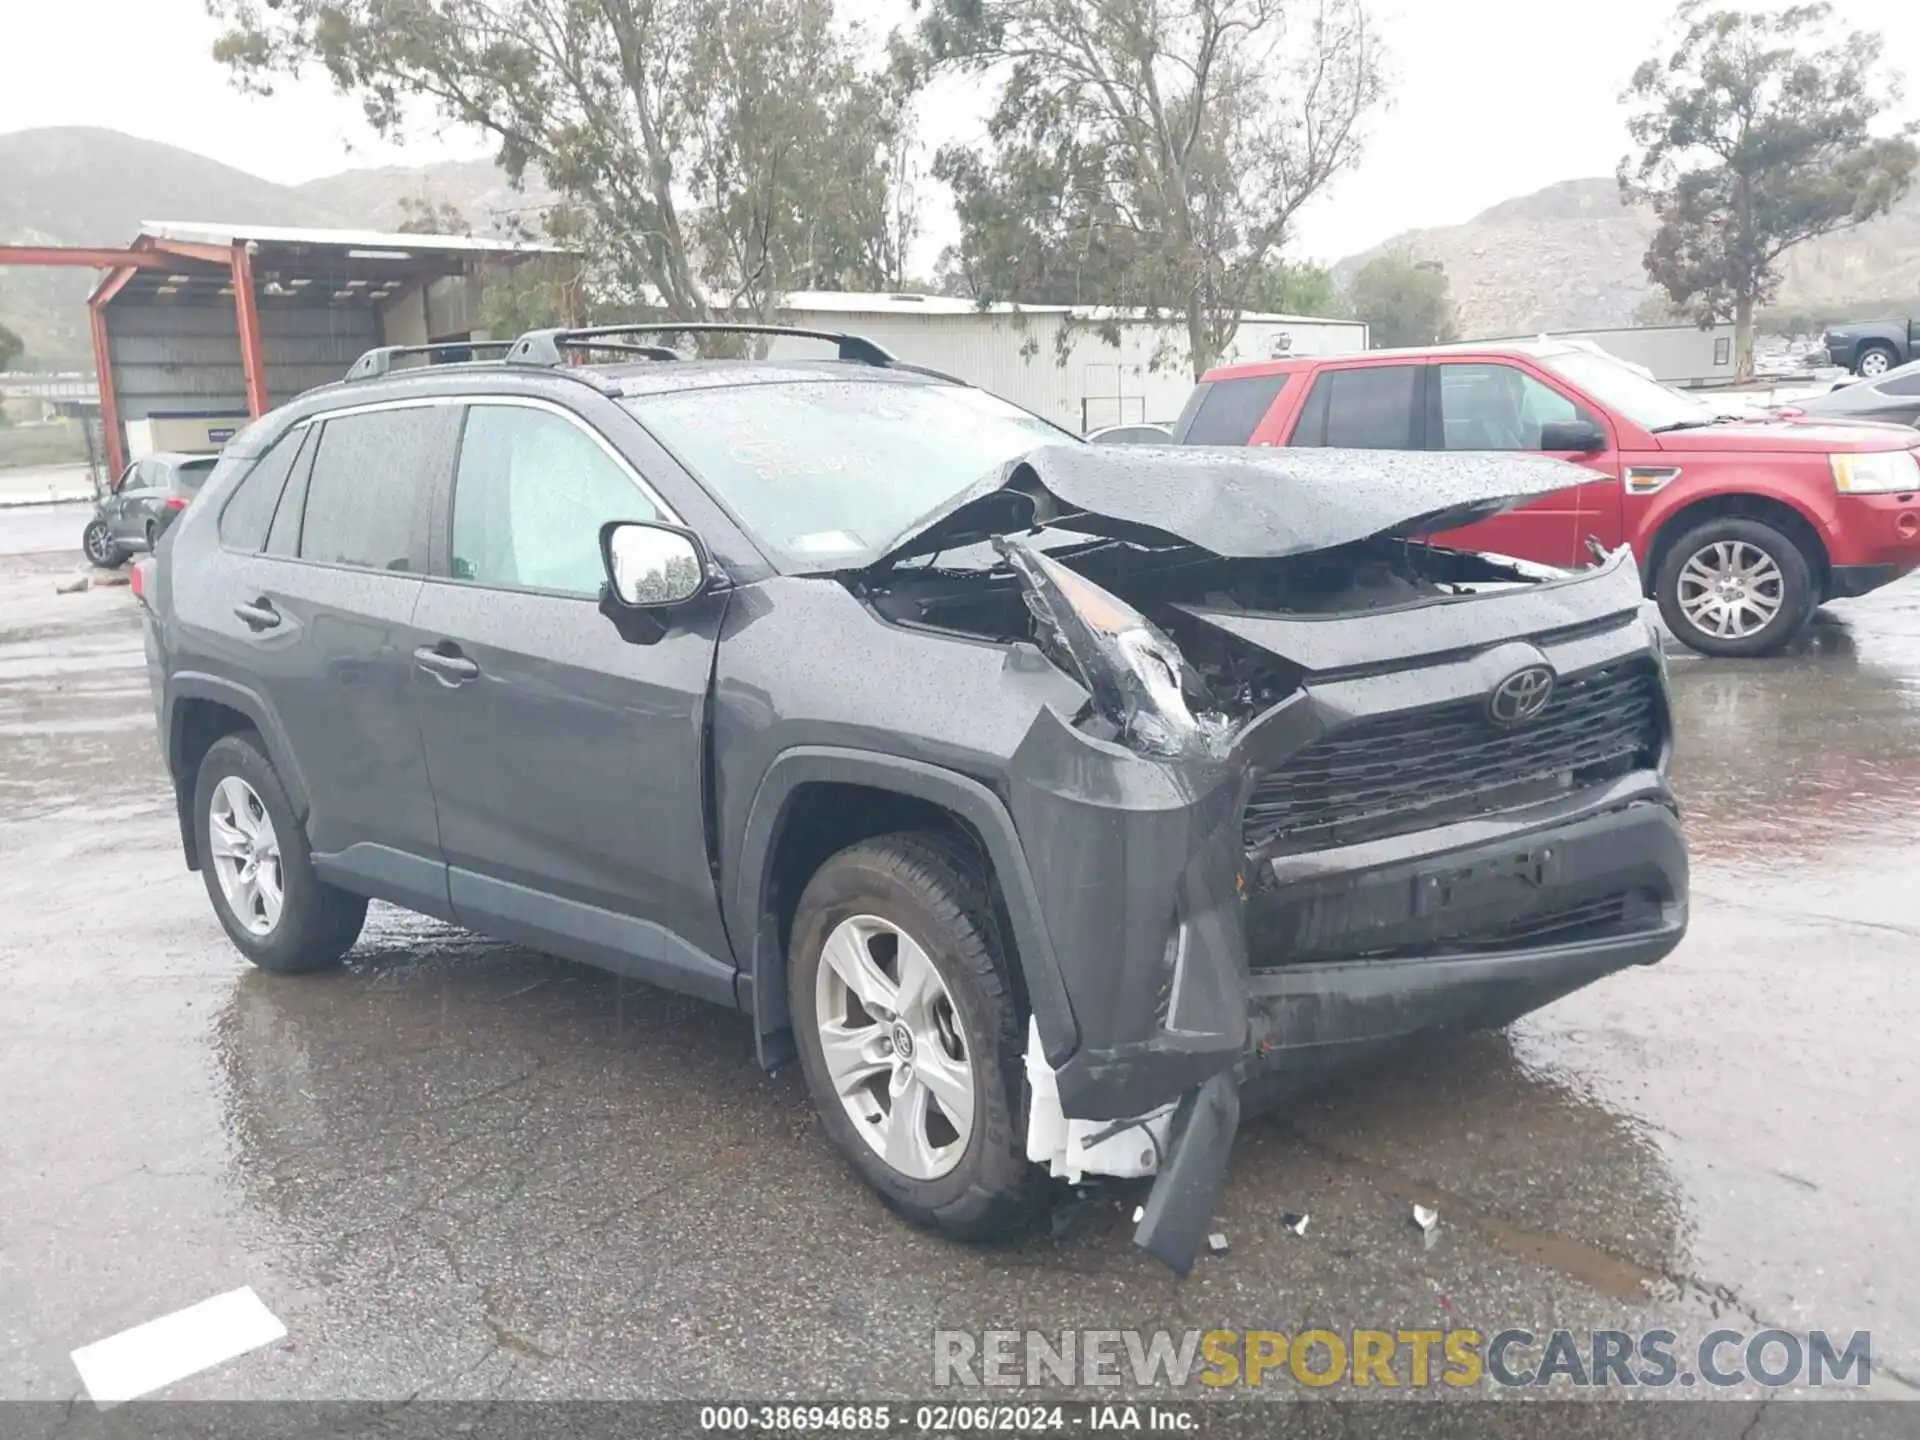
(894, 903)
(1735, 588)
(97, 544)
(1874, 360)
(240, 805)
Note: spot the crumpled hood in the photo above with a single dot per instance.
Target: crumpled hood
(1257, 503)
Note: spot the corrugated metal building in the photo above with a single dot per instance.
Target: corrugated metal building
(1016, 350)
(219, 322)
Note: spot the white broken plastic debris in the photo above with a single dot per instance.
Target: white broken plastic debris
(1217, 1243)
(1293, 1222)
(1423, 1217)
(1139, 1213)
(70, 587)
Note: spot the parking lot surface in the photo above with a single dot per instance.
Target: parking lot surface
(461, 1169)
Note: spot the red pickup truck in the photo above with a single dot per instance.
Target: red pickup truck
(1741, 525)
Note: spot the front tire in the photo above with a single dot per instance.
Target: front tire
(275, 908)
(1874, 361)
(1735, 588)
(97, 543)
(909, 1033)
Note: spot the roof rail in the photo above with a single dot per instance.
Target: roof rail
(549, 347)
(378, 362)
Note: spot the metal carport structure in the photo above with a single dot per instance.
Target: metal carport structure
(210, 319)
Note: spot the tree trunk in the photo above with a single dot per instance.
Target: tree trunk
(1199, 338)
(1743, 339)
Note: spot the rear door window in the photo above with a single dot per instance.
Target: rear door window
(1364, 407)
(1227, 412)
(369, 488)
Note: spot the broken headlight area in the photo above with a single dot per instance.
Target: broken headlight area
(1139, 682)
(1130, 623)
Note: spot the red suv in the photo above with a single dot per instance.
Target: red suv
(1741, 525)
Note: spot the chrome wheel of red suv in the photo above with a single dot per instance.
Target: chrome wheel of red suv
(1735, 587)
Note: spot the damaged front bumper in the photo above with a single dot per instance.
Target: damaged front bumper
(1208, 959)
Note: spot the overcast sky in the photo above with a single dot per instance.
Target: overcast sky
(1492, 98)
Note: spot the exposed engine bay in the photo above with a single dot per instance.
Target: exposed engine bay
(1166, 679)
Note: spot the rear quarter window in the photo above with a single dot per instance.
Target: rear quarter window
(245, 518)
(1227, 412)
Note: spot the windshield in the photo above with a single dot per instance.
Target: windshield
(824, 473)
(1647, 403)
(192, 474)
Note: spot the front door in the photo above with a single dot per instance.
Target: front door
(1492, 405)
(567, 763)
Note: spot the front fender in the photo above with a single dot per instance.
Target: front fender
(763, 980)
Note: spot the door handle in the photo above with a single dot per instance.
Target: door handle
(259, 614)
(447, 666)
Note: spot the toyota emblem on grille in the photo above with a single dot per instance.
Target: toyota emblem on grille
(1519, 699)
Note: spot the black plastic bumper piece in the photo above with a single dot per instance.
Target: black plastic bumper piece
(1846, 581)
(1181, 1205)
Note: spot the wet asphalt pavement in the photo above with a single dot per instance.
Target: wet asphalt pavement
(461, 1169)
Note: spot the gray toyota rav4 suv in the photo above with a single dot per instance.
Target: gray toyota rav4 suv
(1044, 800)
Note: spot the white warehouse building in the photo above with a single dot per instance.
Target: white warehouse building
(1012, 350)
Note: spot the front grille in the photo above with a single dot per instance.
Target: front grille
(1419, 767)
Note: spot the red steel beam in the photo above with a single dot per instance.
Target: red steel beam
(187, 249)
(109, 402)
(87, 257)
(246, 311)
(111, 285)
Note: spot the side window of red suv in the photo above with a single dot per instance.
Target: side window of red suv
(1363, 407)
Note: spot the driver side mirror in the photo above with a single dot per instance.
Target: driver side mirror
(1582, 437)
(651, 568)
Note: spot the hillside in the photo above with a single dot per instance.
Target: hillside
(478, 189)
(79, 186)
(1568, 257)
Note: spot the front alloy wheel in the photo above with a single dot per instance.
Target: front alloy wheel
(1734, 587)
(894, 1047)
(910, 1033)
(1731, 590)
(246, 856)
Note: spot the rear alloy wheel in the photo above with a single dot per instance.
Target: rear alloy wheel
(97, 544)
(1735, 587)
(253, 853)
(909, 1034)
(1874, 361)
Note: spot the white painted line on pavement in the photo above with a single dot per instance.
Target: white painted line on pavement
(134, 1362)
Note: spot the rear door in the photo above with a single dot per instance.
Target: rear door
(325, 616)
(1491, 405)
(567, 763)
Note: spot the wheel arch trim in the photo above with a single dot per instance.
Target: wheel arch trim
(763, 990)
(197, 685)
(1666, 523)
